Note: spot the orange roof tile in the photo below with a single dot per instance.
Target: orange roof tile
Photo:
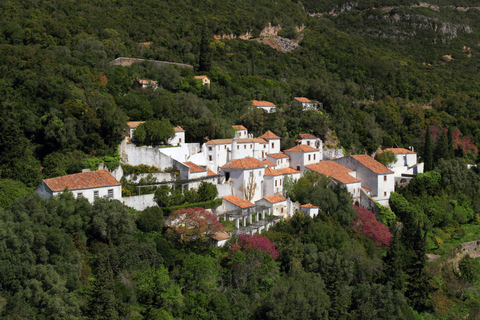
(280, 155)
(251, 140)
(239, 127)
(134, 124)
(219, 141)
(272, 172)
(302, 99)
(268, 163)
(269, 135)
(178, 129)
(258, 103)
(306, 136)
(333, 170)
(239, 202)
(201, 77)
(288, 171)
(301, 148)
(399, 150)
(274, 199)
(84, 180)
(194, 167)
(245, 163)
(219, 236)
(210, 173)
(371, 164)
(148, 82)
(308, 205)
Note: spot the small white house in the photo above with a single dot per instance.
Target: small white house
(246, 177)
(144, 84)
(280, 159)
(340, 174)
(273, 142)
(273, 182)
(219, 239)
(264, 105)
(132, 125)
(90, 185)
(302, 155)
(240, 132)
(205, 80)
(406, 162)
(309, 210)
(234, 203)
(307, 104)
(178, 138)
(277, 204)
(375, 177)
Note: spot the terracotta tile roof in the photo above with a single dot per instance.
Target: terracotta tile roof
(148, 82)
(245, 163)
(194, 167)
(210, 173)
(258, 103)
(301, 148)
(239, 202)
(239, 127)
(251, 140)
(219, 236)
(371, 164)
(288, 171)
(399, 150)
(280, 155)
(201, 77)
(306, 136)
(134, 124)
(274, 199)
(333, 170)
(268, 163)
(269, 135)
(178, 129)
(302, 99)
(219, 141)
(84, 180)
(308, 205)
(272, 172)
(366, 190)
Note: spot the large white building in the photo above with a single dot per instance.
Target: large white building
(90, 185)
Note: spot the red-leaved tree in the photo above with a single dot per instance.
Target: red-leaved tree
(194, 224)
(368, 226)
(247, 243)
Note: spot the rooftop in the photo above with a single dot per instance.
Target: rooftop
(308, 205)
(306, 136)
(148, 82)
(258, 103)
(229, 141)
(178, 129)
(239, 127)
(245, 163)
(280, 155)
(303, 100)
(134, 124)
(334, 170)
(269, 135)
(194, 167)
(201, 77)
(272, 172)
(398, 150)
(371, 164)
(239, 202)
(301, 148)
(84, 180)
(268, 163)
(288, 171)
(210, 173)
(275, 199)
(219, 236)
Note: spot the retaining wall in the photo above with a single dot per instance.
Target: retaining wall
(139, 202)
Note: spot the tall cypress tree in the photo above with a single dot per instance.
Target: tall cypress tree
(451, 149)
(102, 304)
(428, 152)
(441, 148)
(394, 264)
(205, 59)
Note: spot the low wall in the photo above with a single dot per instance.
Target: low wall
(139, 202)
(332, 153)
(134, 156)
(160, 176)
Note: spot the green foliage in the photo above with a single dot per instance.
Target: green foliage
(141, 168)
(428, 152)
(110, 162)
(386, 216)
(153, 132)
(207, 191)
(150, 220)
(386, 158)
(469, 269)
(10, 190)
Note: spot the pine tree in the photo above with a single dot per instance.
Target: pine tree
(451, 149)
(205, 59)
(441, 149)
(428, 152)
(102, 303)
(394, 264)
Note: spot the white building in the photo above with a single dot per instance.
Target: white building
(277, 204)
(340, 174)
(310, 140)
(246, 177)
(281, 160)
(219, 239)
(273, 142)
(240, 132)
(302, 155)
(205, 80)
(90, 185)
(234, 203)
(406, 162)
(264, 105)
(307, 104)
(144, 84)
(375, 177)
(178, 138)
(309, 210)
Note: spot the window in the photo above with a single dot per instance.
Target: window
(209, 148)
(298, 168)
(281, 210)
(259, 173)
(251, 146)
(238, 147)
(275, 183)
(225, 147)
(314, 157)
(264, 146)
(179, 140)
(385, 193)
(280, 181)
(308, 143)
(79, 195)
(273, 145)
(110, 193)
(210, 158)
(95, 194)
(227, 176)
(245, 147)
(309, 157)
(384, 178)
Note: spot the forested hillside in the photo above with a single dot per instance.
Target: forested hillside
(385, 71)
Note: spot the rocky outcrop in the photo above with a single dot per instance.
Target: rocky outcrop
(270, 30)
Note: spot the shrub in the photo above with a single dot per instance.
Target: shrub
(366, 225)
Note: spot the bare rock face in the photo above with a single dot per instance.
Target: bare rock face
(270, 30)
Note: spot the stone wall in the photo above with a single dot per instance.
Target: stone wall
(139, 202)
(332, 153)
(160, 176)
(471, 248)
(134, 156)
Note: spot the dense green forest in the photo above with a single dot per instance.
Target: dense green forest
(389, 73)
